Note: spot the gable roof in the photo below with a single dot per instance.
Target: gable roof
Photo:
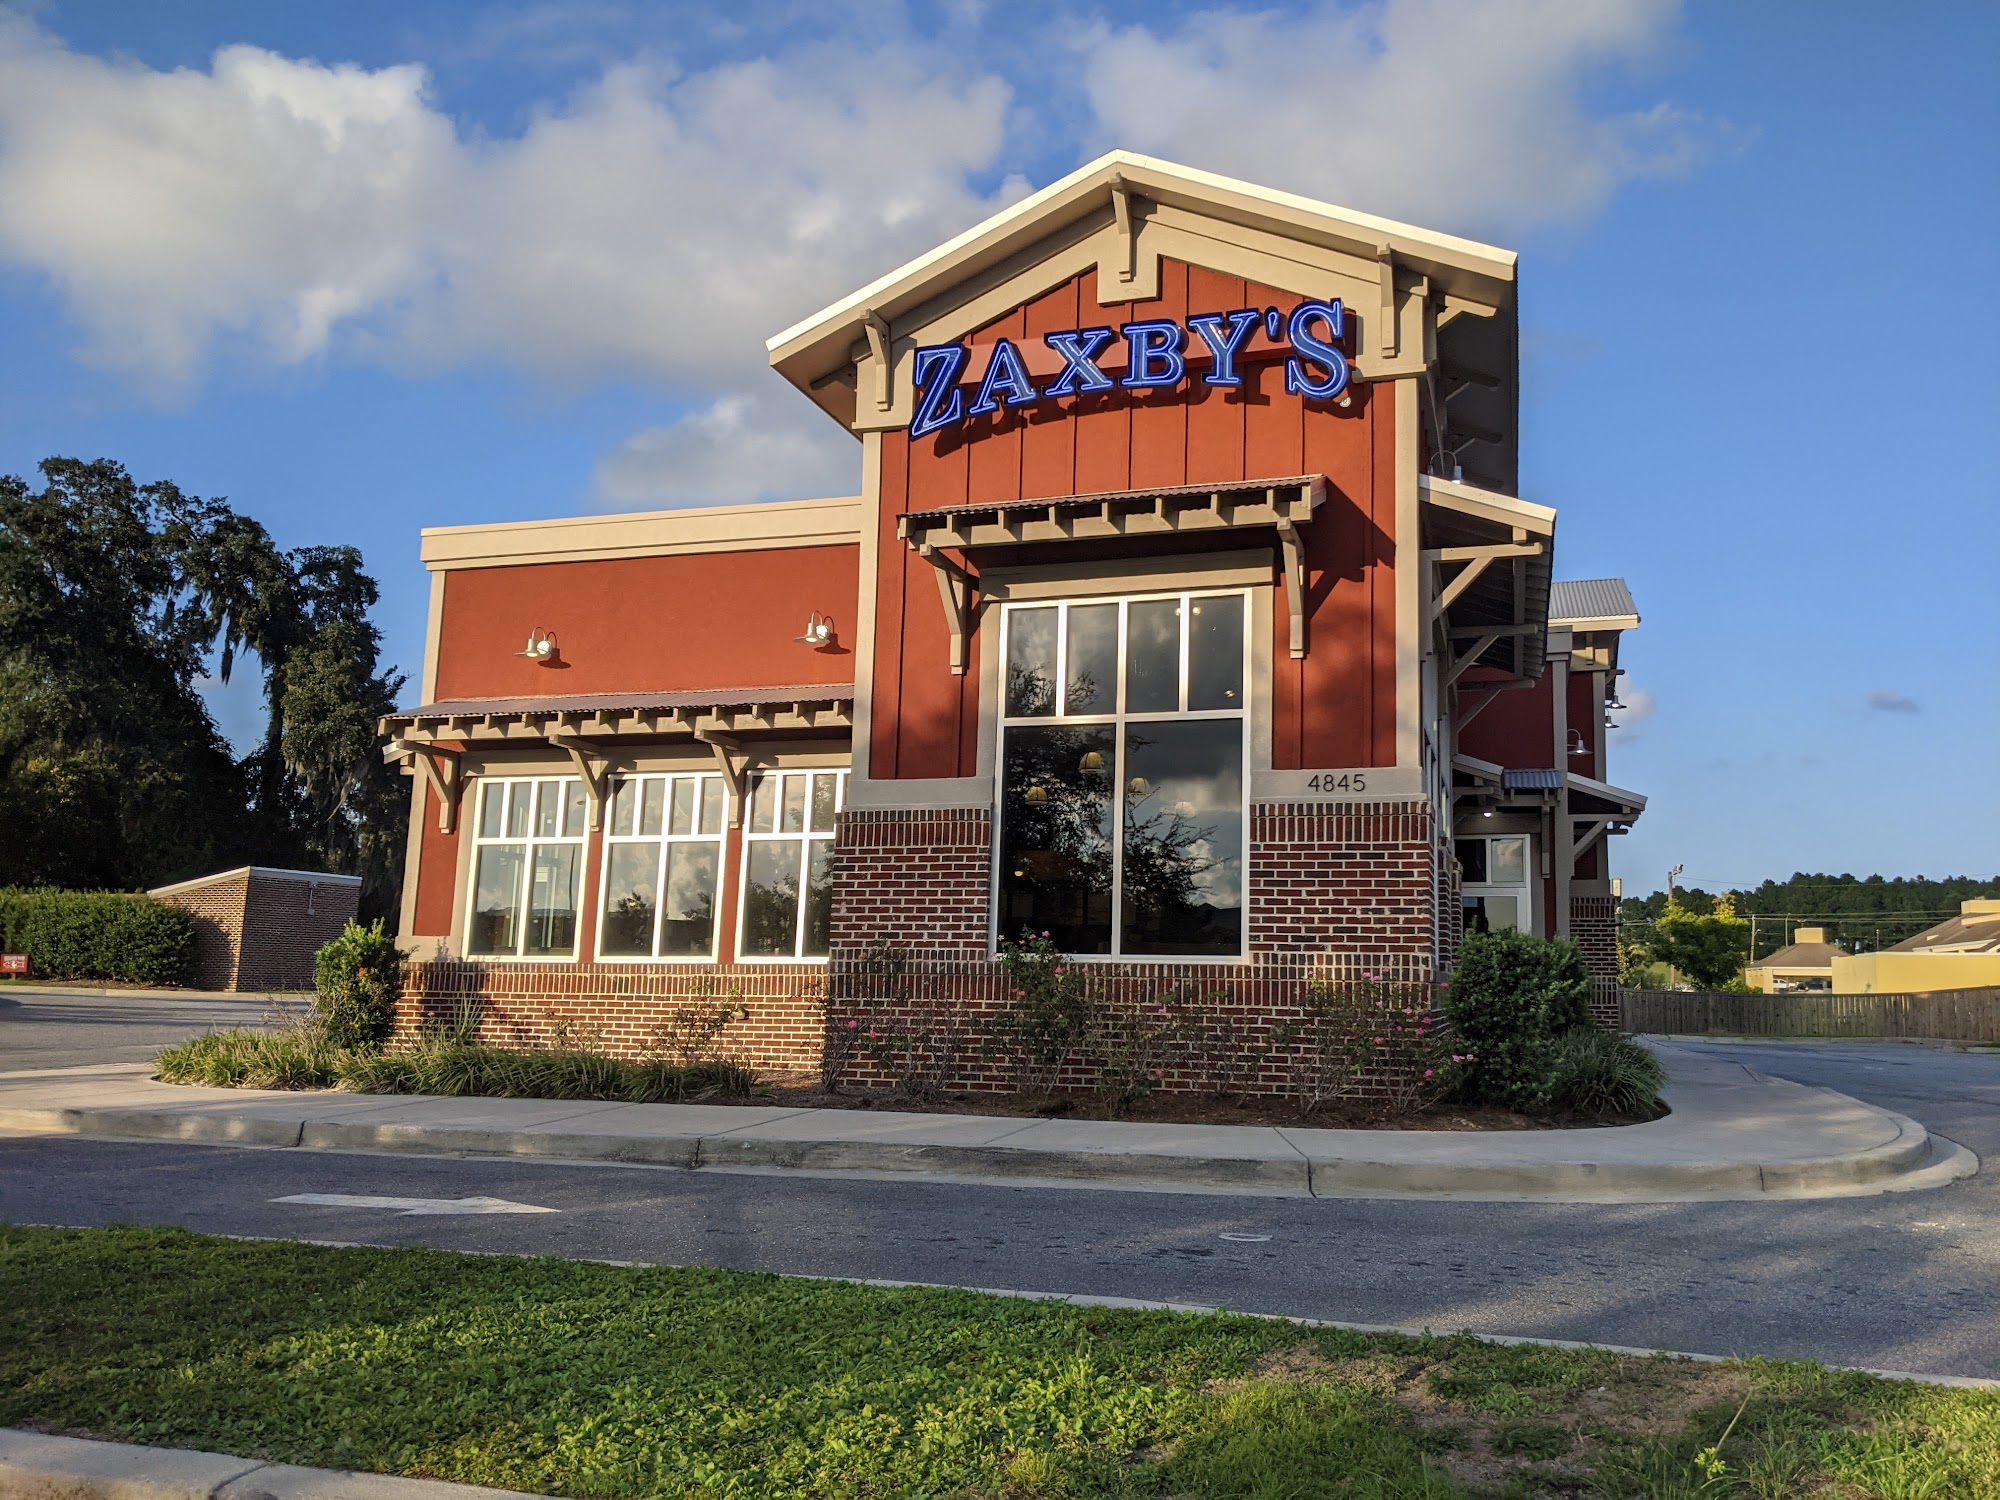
(1973, 930)
(815, 353)
(1802, 956)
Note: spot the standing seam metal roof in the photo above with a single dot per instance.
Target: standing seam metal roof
(1590, 599)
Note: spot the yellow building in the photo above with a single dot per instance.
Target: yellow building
(1962, 953)
(1807, 964)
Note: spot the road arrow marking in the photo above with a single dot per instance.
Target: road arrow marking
(409, 1206)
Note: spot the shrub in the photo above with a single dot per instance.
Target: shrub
(297, 1056)
(1047, 1015)
(357, 979)
(922, 1050)
(1512, 996)
(689, 1033)
(439, 1065)
(1597, 1073)
(1134, 1052)
(98, 935)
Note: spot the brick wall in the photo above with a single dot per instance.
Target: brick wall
(285, 923)
(1337, 892)
(1345, 885)
(622, 1007)
(1593, 927)
(217, 909)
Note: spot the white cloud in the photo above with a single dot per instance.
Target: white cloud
(657, 224)
(1465, 115)
(740, 449)
(1639, 706)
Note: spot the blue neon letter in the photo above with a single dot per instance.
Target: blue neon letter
(1154, 352)
(1079, 349)
(1225, 333)
(1320, 351)
(939, 400)
(1004, 374)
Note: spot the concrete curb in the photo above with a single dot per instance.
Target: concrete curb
(1733, 1133)
(38, 1466)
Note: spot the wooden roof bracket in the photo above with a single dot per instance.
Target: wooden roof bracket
(732, 771)
(1121, 211)
(877, 330)
(1472, 654)
(595, 771)
(442, 770)
(955, 593)
(1484, 695)
(1293, 544)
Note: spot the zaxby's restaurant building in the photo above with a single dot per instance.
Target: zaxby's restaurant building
(1187, 613)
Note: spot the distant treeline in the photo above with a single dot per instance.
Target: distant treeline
(1861, 913)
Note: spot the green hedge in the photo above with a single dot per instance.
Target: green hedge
(97, 935)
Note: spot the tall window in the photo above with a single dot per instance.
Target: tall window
(527, 856)
(1122, 791)
(788, 864)
(1495, 887)
(662, 867)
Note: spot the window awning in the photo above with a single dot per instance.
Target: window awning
(1283, 506)
(431, 737)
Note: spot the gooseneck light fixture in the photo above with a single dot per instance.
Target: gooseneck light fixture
(819, 633)
(542, 648)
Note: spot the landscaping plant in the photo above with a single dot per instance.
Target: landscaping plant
(98, 935)
(1598, 1073)
(1047, 1013)
(1510, 1000)
(357, 979)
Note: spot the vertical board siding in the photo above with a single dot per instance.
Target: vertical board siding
(1336, 708)
(1944, 1015)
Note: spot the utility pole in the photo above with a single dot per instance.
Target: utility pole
(1672, 982)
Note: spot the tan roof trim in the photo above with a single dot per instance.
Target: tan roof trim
(652, 533)
(1166, 182)
(268, 872)
(1486, 505)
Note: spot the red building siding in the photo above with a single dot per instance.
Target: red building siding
(714, 620)
(1337, 707)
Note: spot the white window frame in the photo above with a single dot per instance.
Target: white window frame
(805, 838)
(1528, 892)
(1118, 719)
(720, 839)
(530, 842)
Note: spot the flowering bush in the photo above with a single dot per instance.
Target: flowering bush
(921, 1053)
(1373, 1034)
(357, 979)
(1047, 1014)
(1135, 1052)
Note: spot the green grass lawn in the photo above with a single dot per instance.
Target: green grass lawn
(580, 1379)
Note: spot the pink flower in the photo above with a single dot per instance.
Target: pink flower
(1060, 971)
(853, 1025)
(1158, 1074)
(1427, 1072)
(1381, 1041)
(1420, 1031)
(874, 1036)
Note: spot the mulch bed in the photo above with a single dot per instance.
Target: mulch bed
(803, 1091)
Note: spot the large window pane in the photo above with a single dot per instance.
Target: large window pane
(688, 925)
(631, 891)
(1183, 871)
(1031, 663)
(1091, 669)
(1472, 859)
(771, 898)
(1153, 657)
(819, 900)
(496, 898)
(1509, 858)
(552, 901)
(1056, 852)
(1215, 653)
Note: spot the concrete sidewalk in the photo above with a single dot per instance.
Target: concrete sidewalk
(1732, 1133)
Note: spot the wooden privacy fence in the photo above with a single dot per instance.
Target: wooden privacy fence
(1945, 1015)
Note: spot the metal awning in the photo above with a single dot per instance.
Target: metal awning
(431, 737)
(1284, 506)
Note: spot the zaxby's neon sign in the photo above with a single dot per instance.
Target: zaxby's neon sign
(1156, 356)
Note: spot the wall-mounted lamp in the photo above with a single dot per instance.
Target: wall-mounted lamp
(819, 633)
(1577, 743)
(1486, 812)
(542, 649)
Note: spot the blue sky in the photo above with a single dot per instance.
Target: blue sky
(376, 266)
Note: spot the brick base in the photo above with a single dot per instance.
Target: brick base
(1593, 927)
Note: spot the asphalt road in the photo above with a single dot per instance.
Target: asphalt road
(1905, 1281)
